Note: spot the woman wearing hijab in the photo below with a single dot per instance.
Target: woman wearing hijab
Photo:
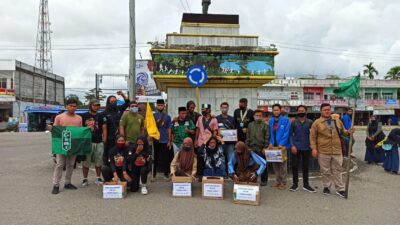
(185, 160)
(374, 136)
(138, 164)
(390, 146)
(116, 170)
(245, 165)
(214, 158)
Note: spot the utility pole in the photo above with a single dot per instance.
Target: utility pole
(132, 51)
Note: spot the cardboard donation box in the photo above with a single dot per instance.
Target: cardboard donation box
(114, 190)
(213, 188)
(181, 186)
(246, 193)
(275, 155)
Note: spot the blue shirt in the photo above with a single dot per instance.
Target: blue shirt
(254, 158)
(281, 137)
(346, 122)
(300, 134)
(163, 122)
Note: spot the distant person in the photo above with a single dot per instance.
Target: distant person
(98, 125)
(325, 144)
(132, 124)
(226, 122)
(116, 170)
(375, 135)
(185, 161)
(279, 127)
(258, 140)
(72, 120)
(206, 127)
(300, 141)
(163, 152)
(245, 165)
(181, 128)
(391, 148)
(243, 116)
(191, 114)
(113, 114)
(138, 164)
(214, 159)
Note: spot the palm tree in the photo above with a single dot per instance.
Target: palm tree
(370, 71)
(393, 73)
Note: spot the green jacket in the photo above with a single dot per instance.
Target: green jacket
(257, 136)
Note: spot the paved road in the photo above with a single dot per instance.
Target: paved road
(25, 181)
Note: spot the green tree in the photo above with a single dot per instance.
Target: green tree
(91, 94)
(393, 73)
(370, 71)
(74, 96)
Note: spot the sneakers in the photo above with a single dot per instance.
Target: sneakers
(326, 191)
(144, 190)
(341, 194)
(99, 181)
(55, 190)
(70, 187)
(166, 178)
(294, 188)
(85, 183)
(263, 183)
(309, 188)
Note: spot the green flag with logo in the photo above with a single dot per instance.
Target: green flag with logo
(71, 140)
(349, 89)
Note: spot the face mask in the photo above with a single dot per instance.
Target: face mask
(258, 119)
(134, 109)
(301, 114)
(204, 113)
(239, 153)
(224, 110)
(120, 145)
(113, 105)
(186, 149)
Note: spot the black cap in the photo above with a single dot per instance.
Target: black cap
(182, 109)
(160, 101)
(94, 102)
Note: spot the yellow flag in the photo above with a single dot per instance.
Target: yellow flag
(150, 124)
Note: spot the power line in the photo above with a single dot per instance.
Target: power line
(188, 6)
(183, 6)
(328, 48)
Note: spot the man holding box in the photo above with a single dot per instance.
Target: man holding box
(279, 138)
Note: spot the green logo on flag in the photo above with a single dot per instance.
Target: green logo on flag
(66, 140)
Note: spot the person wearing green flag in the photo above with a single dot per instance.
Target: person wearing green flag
(70, 119)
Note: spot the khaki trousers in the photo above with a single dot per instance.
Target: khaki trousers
(331, 170)
(62, 160)
(280, 171)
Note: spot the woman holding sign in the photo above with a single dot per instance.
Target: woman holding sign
(214, 158)
(245, 165)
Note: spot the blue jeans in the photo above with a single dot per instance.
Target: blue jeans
(217, 172)
(229, 149)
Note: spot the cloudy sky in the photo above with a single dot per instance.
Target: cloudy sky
(313, 36)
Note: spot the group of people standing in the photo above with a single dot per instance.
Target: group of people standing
(194, 145)
(382, 150)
